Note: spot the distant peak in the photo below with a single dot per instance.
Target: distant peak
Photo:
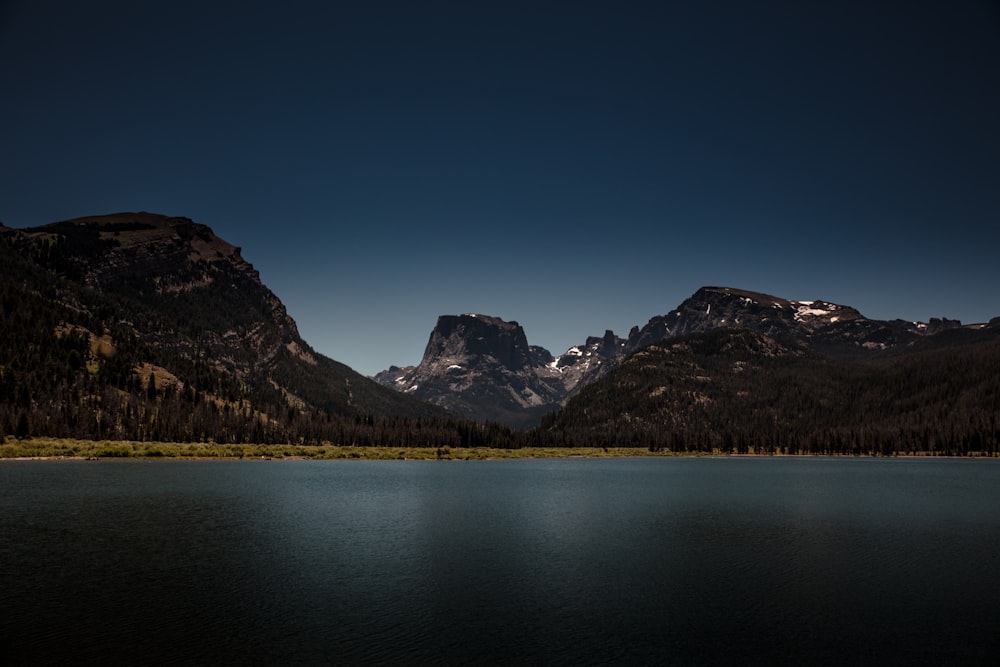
(476, 334)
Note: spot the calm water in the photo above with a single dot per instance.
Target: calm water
(630, 561)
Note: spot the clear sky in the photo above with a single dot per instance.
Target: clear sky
(573, 166)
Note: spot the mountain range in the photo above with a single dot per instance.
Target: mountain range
(148, 327)
(484, 368)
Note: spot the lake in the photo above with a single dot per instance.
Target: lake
(567, 561)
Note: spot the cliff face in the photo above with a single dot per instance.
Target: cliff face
(475, 337)
(179, 270)
(481, 367)
(191, 296)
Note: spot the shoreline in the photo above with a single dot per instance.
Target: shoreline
(56, 449)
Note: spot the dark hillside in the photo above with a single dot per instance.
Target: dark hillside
(739, 391)
(147, 327)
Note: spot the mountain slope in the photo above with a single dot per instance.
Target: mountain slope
(135, 295)
(738, 391)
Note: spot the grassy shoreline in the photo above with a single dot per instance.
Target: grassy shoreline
(58, 448)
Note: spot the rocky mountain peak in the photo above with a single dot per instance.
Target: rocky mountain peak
(482, 367)
(726, 307)
(609, 344)
(467, 338)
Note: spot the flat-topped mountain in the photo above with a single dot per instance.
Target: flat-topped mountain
(178, 327)
(481, 367)
(173, 264)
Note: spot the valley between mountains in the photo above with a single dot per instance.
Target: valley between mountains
(138, 326)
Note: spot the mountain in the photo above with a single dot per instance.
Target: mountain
(835, 328)
(484, 368)
(740, 391)
(144, 326)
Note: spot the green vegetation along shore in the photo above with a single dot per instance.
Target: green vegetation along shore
(116, 449)
(67, 448)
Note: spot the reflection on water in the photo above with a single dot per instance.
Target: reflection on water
(688, 561)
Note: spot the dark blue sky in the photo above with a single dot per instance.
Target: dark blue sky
(575, 167)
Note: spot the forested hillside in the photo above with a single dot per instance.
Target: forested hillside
(740, 392)
(150, 328)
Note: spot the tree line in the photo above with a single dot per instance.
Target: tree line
(718, 392)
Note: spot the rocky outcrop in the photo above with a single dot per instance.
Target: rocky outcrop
(582, 364)
(464, 338)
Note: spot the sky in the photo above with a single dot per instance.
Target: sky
(575, 167)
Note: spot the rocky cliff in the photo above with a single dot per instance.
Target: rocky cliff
(176, 267)
(481, 367)
(149, 296)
